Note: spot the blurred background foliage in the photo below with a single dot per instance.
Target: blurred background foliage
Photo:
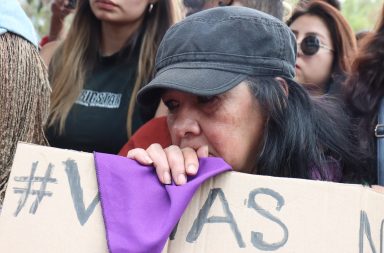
(361, 14)
(39, 12)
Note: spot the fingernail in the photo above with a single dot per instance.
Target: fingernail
(148, 160)
(181, 179)
(166, 178)
(206, 151)
(202, 152)
(191, 169)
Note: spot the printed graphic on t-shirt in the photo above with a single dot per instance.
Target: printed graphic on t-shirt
(92, 98)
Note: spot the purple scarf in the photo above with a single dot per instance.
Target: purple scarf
(140, 212)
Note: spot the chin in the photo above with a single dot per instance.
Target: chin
(299, 79)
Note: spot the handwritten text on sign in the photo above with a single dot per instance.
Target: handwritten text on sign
(256, 238)
(76, 191)
(52, 201)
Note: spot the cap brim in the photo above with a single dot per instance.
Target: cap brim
(197, 81)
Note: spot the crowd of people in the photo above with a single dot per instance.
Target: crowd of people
(272, 89)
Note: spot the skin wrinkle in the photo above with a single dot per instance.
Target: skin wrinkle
(190, 124)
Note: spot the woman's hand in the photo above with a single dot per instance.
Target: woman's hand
(61, 9)
(172, 161)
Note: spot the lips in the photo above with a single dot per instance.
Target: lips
(106, 4)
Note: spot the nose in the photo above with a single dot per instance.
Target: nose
(185, 125)
(299, 51)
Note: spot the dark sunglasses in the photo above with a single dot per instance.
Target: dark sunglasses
(311, 44)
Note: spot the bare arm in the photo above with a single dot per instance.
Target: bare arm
(59, 12)
(48, 50)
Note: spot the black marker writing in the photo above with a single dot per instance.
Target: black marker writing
(257, 237)
(77, 192)
(40, 194)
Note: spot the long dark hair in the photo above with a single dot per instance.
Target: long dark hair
(306, 136)
(342, 35)
(365, 87)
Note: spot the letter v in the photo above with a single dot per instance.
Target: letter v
(77, 192)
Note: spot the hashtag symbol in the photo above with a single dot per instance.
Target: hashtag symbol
(40, 194)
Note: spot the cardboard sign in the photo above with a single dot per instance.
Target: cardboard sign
(235, 212)
(51, 205)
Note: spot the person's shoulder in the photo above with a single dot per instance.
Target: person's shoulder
(154, 131)
(47, 51)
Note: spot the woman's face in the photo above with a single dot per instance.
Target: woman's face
(313, 70)
(119, 11)
(230, 124)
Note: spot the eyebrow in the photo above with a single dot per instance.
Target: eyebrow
(323, 39)
(318, 35)
(294, 32)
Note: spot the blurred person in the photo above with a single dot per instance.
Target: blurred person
(360, 36)
(272, 7)
(326, 47)
(24, 87)
(365, 88)
(60, 9)
(96, 71)
(206, 81)
(305, 3)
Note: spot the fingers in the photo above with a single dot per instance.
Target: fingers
(202, 151)
(60, 9)
(155, 155)
(140, 155)
(171, 162)
(159, 156)
(176, 164)
(191, 162)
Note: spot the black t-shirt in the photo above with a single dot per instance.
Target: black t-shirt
(98, 119)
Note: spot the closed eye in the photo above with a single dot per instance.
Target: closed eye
(171, 104)
(206, 99)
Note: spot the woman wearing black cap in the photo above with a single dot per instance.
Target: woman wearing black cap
(226, 76)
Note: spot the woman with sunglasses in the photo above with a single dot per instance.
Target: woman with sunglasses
(326, 47)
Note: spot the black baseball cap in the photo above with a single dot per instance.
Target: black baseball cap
(212, 51)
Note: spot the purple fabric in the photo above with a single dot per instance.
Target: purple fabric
(140, 212)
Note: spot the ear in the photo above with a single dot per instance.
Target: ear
(284, 85)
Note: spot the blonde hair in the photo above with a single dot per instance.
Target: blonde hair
(24, 99)
(77, 55)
